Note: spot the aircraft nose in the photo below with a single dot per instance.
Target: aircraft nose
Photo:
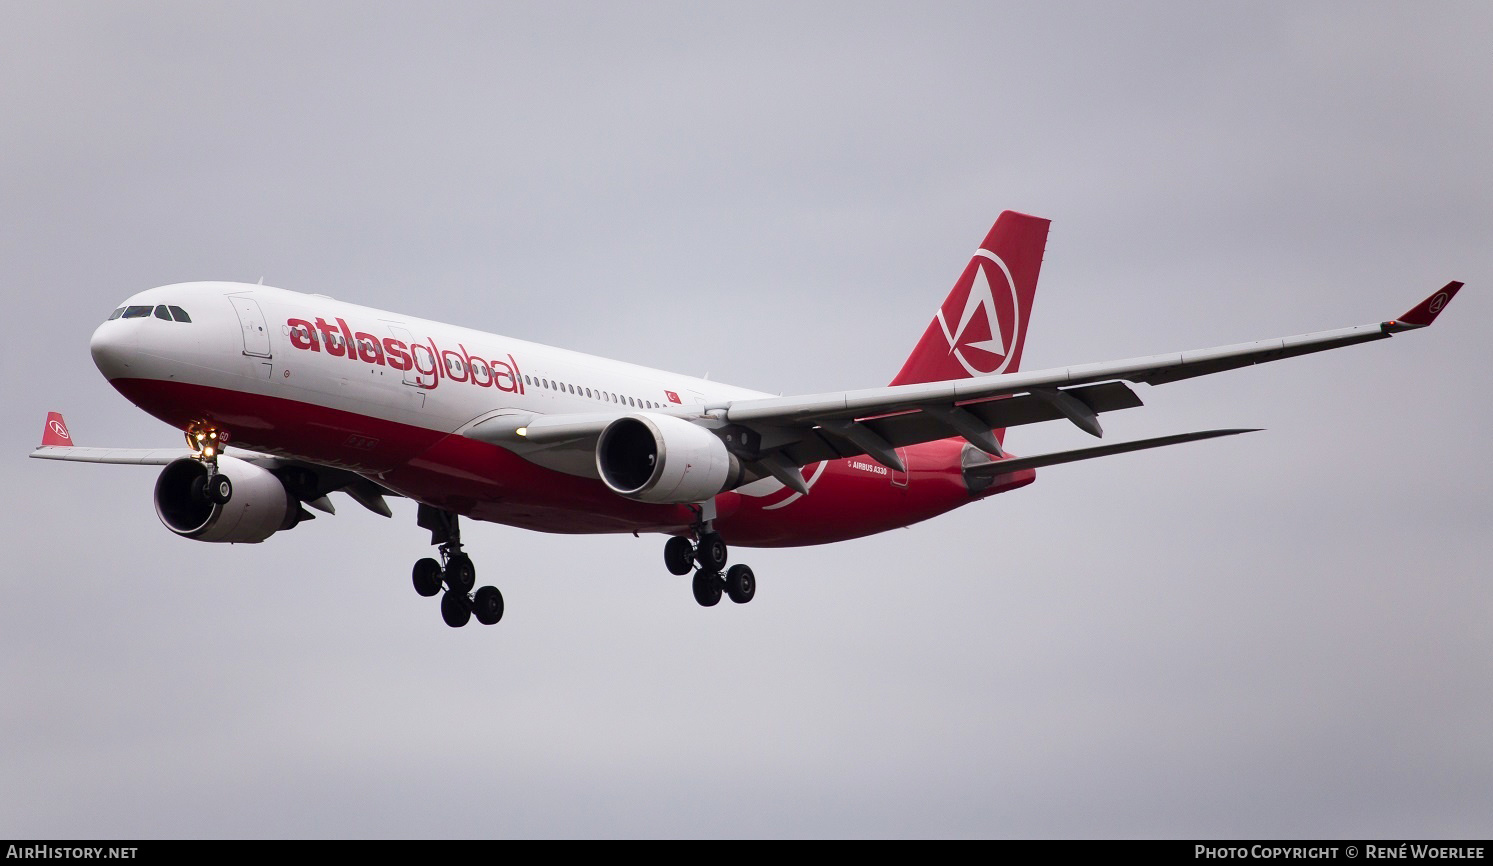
(111, 346)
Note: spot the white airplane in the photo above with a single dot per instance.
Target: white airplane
(331, 396)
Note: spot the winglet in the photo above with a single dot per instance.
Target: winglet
(1425, 312)
(55, 433)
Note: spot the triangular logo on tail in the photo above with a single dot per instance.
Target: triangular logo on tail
(979, 343)
(980, 328)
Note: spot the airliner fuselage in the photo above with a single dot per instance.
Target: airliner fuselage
(387, 396)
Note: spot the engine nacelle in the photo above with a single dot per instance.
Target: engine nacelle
(260, 506)
(660, 458)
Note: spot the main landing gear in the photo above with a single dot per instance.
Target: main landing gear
(455, 572)
(681, 556)
(453, 576)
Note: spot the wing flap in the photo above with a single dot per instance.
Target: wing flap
(911, 428)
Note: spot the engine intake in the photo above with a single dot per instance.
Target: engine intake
(660, 458)
(260, 507)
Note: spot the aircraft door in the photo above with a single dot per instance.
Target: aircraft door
(413, 376)
(256, 330)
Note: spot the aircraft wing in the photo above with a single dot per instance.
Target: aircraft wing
(776, 435)
(1072, 381)
(308, 482)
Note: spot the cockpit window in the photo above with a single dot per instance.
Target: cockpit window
(179, 314)
(116, 314)
(137, 312)
(162, 312)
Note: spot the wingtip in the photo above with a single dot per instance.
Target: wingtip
(1232, 431)
(55, 431)
(1425, 312)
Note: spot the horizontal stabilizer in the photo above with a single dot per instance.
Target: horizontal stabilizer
(1016, 464)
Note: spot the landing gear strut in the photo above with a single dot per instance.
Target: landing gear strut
(680, 557)
(456, 572)
(206, 443)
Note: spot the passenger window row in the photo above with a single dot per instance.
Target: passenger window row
(604, 396)
(162, 311)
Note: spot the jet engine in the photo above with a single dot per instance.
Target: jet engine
(660, 458)
(259, 506)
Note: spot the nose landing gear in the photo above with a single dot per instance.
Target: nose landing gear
(455, 572)
(206, 442)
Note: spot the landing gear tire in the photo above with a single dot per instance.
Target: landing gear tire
(220, 489)
(487, 606)
(707, 587)
(461, 574)
(712, 552)
(741, 584)
(427, 577)
(455, 609)
(679, 555)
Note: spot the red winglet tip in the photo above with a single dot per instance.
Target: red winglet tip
(55, 433)
(1426, 311)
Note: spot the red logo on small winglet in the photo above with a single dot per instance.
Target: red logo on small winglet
(55, 433)
(673, 398)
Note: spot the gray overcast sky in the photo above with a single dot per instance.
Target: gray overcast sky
(1284, 634)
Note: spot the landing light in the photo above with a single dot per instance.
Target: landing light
(205, 441)
(522, 431)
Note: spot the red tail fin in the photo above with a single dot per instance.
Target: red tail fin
(981, 327)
